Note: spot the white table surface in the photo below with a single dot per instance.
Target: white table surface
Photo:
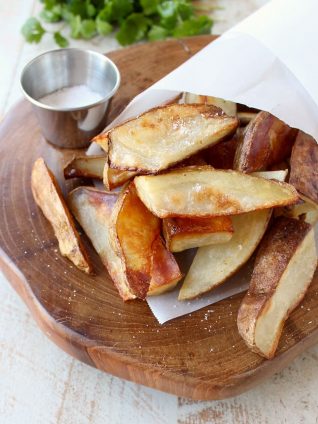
(40, 384)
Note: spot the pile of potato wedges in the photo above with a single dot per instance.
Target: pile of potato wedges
(203, 173)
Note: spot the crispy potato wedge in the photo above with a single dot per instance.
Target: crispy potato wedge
(186, 233)
(284, 268)
(306, 211)
(227, 106)
(85, 166)
(279, 175)
(166, 135)
(213, 264)
(266, 141)
(93, 208)
(133, 230)
(246, 117)
(48, 196)
(96, 167)
(207, 192)
(113, 178)
(165, 272)
(304, 166)
(135, 235)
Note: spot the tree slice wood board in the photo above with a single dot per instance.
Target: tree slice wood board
(199, 356)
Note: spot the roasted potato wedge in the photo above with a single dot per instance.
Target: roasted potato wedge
(85, 166)
(165, 272)
(48, 196)
(306, 211)
(135, 234)
(227, 106)
(213, 264)
(97, 167)
(113, 178)
(207, 192)
(272, 175)
(92, 208)
(304, 166)
(185, 233)
(165, 136)
(266, 141)
(246, 117)
(284, 268)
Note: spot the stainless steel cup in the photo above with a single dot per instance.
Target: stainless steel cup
(56, 69)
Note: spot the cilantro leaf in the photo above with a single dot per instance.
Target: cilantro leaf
(185, 9)
(53, 14)
(90, 9)
(121, 9)
(193, 26)
(60, 40)
(76, 26)
(149, 7)
(103, 27)
(77, 7)
(169, 14)
(133, 29)
(33, 30)
(88, 28)
(157, 33)
(134, 20)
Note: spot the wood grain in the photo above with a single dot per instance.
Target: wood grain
(199, 356)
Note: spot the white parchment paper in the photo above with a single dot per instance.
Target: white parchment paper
(268, 61)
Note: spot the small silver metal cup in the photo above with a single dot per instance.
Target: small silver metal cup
(56, 69)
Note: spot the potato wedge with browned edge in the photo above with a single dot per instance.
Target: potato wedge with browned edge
(213, 264)
(279, 175)
(207, 192)
(166, 135)
(227, 106)
(96, 167)
(134, 232)
(306, 210)
(266, 141)
(304, 166)
(165, 272)
(48, 196)
(186, 233)
(85, 167)
(113, 178)
(284, 267)
(92, 208)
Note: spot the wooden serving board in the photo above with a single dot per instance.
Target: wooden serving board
(200, 356)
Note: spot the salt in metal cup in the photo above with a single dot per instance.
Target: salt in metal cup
(70, 127)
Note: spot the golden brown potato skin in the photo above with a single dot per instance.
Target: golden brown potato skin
(275, 252)
(203, 192)
(304, 166)
(80, 167)
(174, 228)
(164, 136)
(48, 196)
(265, 142)
(135, 233)
(165, 272)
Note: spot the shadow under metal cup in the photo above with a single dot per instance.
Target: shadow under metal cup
(70, 127)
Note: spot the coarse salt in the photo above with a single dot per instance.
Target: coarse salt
(71, 97)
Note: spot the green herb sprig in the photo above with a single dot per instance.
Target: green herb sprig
(134, 20)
